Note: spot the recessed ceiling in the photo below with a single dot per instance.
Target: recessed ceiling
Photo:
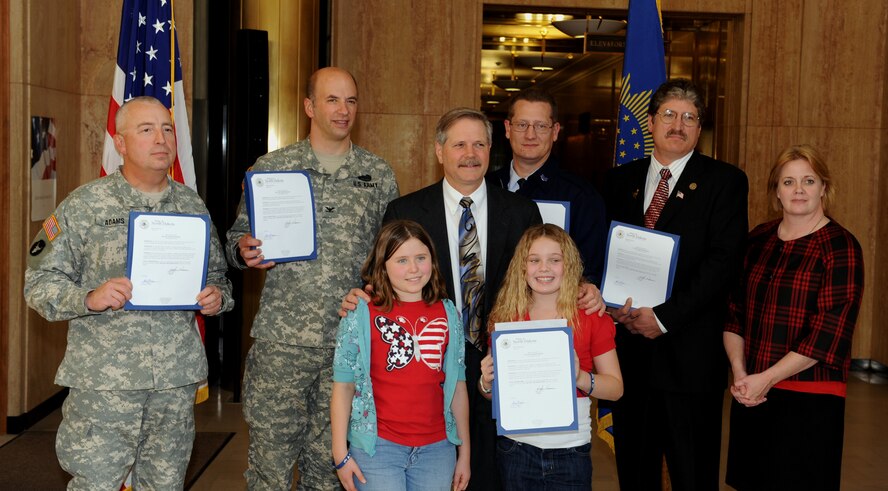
(510, 33)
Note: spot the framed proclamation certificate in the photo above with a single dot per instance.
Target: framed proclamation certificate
(166, 260)
(534, 381)
(282, 214)
(639, 263)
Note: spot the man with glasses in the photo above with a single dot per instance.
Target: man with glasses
(674, 367)
(532, 128)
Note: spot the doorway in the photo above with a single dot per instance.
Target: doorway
(521, 49)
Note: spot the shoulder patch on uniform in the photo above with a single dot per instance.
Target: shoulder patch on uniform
(51, 227)
(38, 247)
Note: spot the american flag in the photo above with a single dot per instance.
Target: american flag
(145, 67)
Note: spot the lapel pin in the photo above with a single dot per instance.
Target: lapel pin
(693, 186)
(635, 194)
(544, 178)
(679, 195)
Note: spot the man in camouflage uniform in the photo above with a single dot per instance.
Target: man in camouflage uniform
(289, 373)
(132, 374)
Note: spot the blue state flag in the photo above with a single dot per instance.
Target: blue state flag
(644, 69)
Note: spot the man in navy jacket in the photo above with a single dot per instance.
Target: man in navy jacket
(532, 128)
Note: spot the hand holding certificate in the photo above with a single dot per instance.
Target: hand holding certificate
(167, 260)
(640, 263)
(534, 383)
(282, 214)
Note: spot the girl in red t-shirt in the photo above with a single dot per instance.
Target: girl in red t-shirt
(543, 282)
(399, 403)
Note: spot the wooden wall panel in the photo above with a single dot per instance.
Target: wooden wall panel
(4, 218)
(46, 340)
(401, 138)
(757, 163)
(843, 46)
(774, 62)
(879, 267)
(412, 63)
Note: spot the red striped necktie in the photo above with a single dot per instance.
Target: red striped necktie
(659, 200)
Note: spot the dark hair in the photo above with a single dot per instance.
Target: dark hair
(679, 88)
(534, 94)
(391, 236)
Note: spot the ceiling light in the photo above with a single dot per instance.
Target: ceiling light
(515, 85)
(542, 62)
(577, 27)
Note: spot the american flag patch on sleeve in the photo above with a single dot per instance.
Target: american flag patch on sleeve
(51, 227)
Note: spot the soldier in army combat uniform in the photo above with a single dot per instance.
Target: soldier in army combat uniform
(132, 374)
(288, 377)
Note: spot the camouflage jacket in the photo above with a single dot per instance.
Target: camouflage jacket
(115, 350)
(300, 298)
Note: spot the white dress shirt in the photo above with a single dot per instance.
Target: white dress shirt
(453, 212)
(650, 187)
(514, 177)
(653, 176)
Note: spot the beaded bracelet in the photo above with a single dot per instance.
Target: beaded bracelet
(340, 465)
(591, 387)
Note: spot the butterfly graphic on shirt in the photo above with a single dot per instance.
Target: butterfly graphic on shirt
(425, 345)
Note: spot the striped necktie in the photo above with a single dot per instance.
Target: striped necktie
(471, 274)
(659, 200)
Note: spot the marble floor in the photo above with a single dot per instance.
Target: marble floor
(864, 467)
(864, 464)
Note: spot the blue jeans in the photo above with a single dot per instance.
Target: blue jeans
(526, 467)
(397, 467)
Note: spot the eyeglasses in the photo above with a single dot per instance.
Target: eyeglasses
(521, 127)
(688, 119)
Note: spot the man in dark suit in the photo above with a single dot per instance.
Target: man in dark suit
(463, 148)
(532, 128)
(674, 367)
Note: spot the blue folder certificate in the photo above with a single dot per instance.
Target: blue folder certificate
(166, 260)
(282, 214)
(639, 263)
(534, 379)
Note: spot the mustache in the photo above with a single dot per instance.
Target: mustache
(679, 133)
(470, 161)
